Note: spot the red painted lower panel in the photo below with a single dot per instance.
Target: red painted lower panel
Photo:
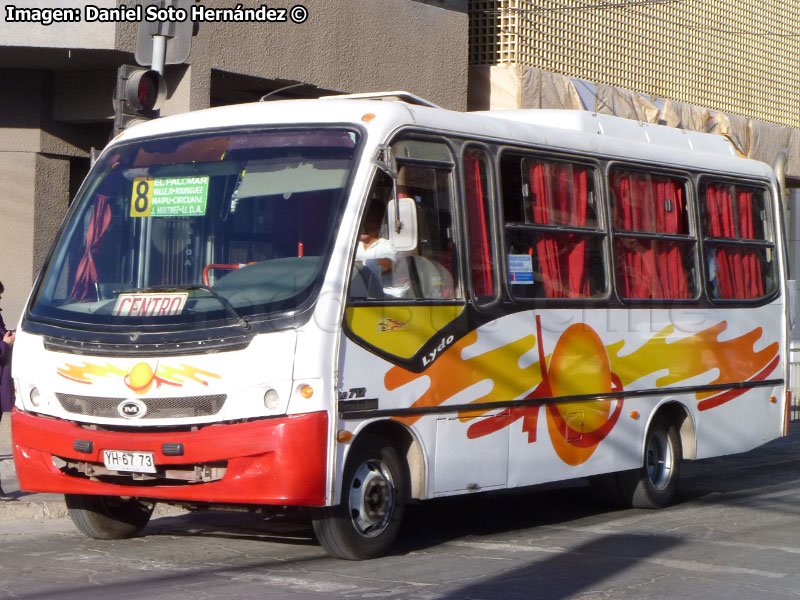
(279, 461)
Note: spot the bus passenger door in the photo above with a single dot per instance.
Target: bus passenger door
(406, 322)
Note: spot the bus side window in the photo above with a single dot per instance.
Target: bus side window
(738, 241)
(428, 272)
(478, 212)
(654, 247)
(554, 239)
(432, 267)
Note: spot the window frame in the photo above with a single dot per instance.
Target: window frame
(490, 209)
(691, 222)
(601, 230)
(451, 168)
(769, 242)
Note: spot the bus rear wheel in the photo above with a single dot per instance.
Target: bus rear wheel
(655, 483)
(108, 517)
(365, 523)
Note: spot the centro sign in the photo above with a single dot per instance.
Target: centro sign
(132, 409)
(150, 305)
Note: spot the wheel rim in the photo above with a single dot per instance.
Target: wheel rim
(371, 499)
(659, 459)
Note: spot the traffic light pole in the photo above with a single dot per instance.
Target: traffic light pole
(159, 53)
(141, 91)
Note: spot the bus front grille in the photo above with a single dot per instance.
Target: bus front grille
(157, 408)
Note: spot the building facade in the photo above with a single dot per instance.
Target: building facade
(722, 67)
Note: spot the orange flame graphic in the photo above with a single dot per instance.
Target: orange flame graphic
(85, 373)
(185, 371)
(735, 359)
(139, 378)
(581, 364)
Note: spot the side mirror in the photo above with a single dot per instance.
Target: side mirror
(402, 224)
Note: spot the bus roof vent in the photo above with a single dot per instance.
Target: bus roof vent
(397, 96)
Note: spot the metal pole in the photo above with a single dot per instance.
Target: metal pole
(159, 52)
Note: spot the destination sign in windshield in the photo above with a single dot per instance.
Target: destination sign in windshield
(169, 196)
(150, 305)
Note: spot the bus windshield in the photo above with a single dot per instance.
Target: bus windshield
(195, 229)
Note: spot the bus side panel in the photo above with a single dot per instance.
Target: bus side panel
(530, 359)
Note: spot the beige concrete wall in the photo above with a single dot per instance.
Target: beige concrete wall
(58, 35)
(34, 201)
(17, 199)
(350, 46)
(51, 203)
(26, 117)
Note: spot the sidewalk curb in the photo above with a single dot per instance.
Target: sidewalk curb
(40, 507)
(41, 510)
(17, 510)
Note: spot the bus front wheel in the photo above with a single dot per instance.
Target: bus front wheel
(365, 523)
(108, 517)
(655, 483)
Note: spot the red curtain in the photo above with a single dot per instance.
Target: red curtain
(650, 268)
(751, 264)
(480, 254)
(560, 197)
(86, 274)
(738, 270)
(669, 198)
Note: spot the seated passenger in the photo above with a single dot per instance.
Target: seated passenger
(375, 252)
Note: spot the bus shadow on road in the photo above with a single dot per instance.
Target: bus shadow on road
(292, 527)
(554, 573)
(425, 524)
(438, 521)
(762, 478)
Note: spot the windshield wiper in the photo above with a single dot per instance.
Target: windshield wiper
(241, 321)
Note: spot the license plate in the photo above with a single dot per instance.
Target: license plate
(133, 462)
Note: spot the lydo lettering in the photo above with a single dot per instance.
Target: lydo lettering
(433, 354)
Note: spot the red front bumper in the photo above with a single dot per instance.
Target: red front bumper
(279, 461)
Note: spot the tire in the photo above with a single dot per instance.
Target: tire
(365, 523)
(108, 517)
(655, 483)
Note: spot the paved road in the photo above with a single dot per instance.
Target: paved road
(735, 534)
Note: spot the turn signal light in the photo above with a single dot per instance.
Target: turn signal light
(306, 391)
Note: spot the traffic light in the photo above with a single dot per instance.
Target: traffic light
(139, 95)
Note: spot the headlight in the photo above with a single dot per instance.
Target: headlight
(271, 399)
(36, 398)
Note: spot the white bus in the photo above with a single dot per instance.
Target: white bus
(349, 304)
